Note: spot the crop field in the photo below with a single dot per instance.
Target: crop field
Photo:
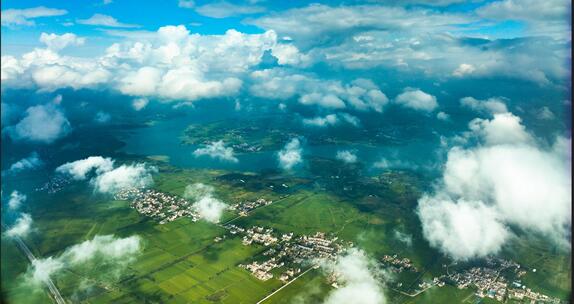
(181, 263)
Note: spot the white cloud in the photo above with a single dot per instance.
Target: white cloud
(346, 156)
(510, 180)
(386, 163)
(44, 268)
(328, 120)
(16, 200)
(22, 227)
(59, 42)
(279, 83)
(79, 169)
(504, 128)
(208, 207)
(124, 176)
(140, 103)
(186, 3)
(25, 16)
(491, 105)
(402, 237)
(28, 163)
(545, 114)
(350, 119)
(542, 17)
(417, 100)
(290, 156)
(462, 229)
(105, 20)
(442, 116)
(42, 124)
(327, 101)
(217, 150)
(106, 248)
(359, 277)
(424, 40)
(224, 9)
(464, 69)
(102, 117)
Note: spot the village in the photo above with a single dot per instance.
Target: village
(488, 280)
(160, 206)
(286, 250)
(243, 208)
(287, 254)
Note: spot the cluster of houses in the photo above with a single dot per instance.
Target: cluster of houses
(54, 185)
(259, 235)
(490, 283)
(245, 147)
(244, 208)
(160, 206)
(285, 250)
(397, 264)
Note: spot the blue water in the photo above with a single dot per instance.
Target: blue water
(164, 138)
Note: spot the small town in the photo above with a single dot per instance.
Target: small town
(286, 250)
(396, 264)
(54, 185)
(488, 280)
(243, 208)
(158, 205)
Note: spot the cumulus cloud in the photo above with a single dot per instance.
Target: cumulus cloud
(504, 128)
(462, 229)
(107, 248)
(208, 207)
(105, 20)
(359, 277)
(41, 124)
(402, 237)
(59, 42)
(464, 69)
(290, 156)
(442, 116)
(491, 105)
(124, 176)
(169, 64)
(25, 16)
(545, 114)
(217, 150)
(102, 117)
(22, 227)
(79, 169)
(139, 103)
(108, 179)
(328, 120)
(346, 156)
(507, 179)
(224, 9)
(417, 100)
(542, 18)
(31, 162)
(278, 83)
(16, 200)
(423, 40)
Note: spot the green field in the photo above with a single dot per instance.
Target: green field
(181, 263)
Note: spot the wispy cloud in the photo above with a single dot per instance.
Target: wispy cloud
(26, 16)
(105, 20)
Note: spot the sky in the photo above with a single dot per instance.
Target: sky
(342, 59)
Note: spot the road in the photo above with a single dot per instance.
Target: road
(56, 296)
(276, 291)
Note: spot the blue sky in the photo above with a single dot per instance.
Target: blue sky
(154, 14)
